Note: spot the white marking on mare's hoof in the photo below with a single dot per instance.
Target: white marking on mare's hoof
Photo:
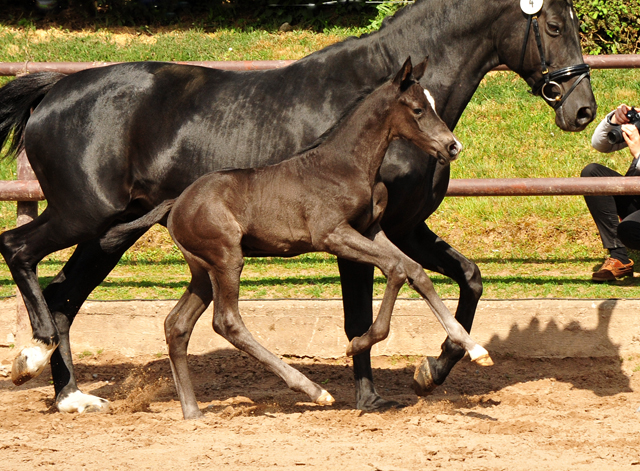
(325, 399)
(31, 361)
(479, 355)
(79, 402)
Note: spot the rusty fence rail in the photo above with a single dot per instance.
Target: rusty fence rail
(30, 191)
(26, 189)
(612, 61)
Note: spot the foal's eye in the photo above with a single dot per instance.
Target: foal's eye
(418, 111)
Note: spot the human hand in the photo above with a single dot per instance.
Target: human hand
(620, 114)
(632, 138)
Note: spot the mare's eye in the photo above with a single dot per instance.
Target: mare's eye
(554, 29)
(418, 111)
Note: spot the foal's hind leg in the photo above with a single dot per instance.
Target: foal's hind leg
(228, 323)
(178, 326)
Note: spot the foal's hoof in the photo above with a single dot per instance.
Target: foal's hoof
(325, 399)
(352, 350)
(480, 356)
(79, 402)
(423, 382)
(31, 361)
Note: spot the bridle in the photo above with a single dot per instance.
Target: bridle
(551, 79)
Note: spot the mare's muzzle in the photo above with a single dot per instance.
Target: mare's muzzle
(549, 86)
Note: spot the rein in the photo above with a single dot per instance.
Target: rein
(551, 78)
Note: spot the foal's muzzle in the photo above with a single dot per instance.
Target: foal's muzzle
(453, 149)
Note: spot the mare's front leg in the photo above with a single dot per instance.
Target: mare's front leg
(357, 293)
(87, 268)
(434, 254)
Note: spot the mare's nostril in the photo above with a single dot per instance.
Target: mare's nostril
(585, 115)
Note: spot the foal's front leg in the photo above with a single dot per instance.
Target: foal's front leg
(397, 267)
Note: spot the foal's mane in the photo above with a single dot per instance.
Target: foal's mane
(348, 112)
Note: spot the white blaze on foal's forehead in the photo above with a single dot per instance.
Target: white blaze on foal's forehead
(430, 99)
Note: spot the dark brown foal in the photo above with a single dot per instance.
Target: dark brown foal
(328, 198)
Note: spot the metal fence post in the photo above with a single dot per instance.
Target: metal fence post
(27, 211)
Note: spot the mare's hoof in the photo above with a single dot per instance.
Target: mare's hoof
(423, 382)
(31, 361)
(79, 402)
(325, 399)
(484, 360)
(378, 404)
(480, 356)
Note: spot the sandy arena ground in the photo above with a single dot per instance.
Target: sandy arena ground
(521, 414)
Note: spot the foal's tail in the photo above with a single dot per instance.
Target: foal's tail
(117, 235)
(17, 99)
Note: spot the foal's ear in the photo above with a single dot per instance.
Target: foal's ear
(404, 73)
(418, 70)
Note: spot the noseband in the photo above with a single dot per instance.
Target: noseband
(551, 79)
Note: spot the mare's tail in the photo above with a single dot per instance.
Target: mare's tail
(17, 99)
(117, 235)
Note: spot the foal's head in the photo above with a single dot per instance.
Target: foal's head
(413, 116)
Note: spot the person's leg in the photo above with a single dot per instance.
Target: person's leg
(606, 212)
(629, 230)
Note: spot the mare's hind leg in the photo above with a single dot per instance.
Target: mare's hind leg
(87, 268)
(228, 323)
(23, 248)
(433, 253)
(178, 327)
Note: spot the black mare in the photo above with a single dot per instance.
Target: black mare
(110, 144)
(327, 198)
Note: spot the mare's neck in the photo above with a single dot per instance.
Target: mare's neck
(457, 35)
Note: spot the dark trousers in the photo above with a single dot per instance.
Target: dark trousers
(617, 217)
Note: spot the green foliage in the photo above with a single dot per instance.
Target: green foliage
(609, 26)
(314, 14)
(386, 8)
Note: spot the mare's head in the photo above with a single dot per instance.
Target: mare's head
(413, 116)
(539, 39)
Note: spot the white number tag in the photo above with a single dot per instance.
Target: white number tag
(531, 7)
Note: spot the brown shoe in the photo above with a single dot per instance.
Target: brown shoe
(612, 269)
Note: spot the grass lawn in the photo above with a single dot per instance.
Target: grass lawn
(525, 246)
